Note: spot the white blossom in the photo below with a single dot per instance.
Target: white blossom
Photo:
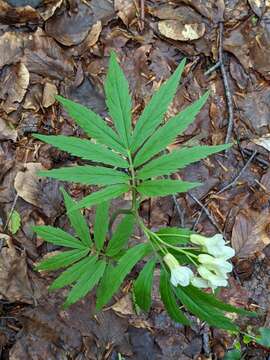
(180, 275)
(213, 279)
(219, 265)
(214, 245)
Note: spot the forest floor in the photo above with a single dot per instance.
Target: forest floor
(56, 47)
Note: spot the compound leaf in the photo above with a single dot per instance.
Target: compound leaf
(118, 99)
(165, 187)
(109, 192)
(84, 149)
(156, 108)
(166, 134)
(88, 175)
(113, 280)
(94, 126)
(169, 300)
(207, 313)
(213, 301)
(62, 260)
(178, 159)
(143, 285)
(174, 235)
(73, 273)
(77, 220)
(101, 224)
(86, 282)
(121, 235)
(57, 236)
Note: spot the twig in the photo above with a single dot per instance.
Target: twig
(210, 217)
(179, 212)
(226, 86)
(257, 158)
(142, 14)
(234, 181)
(212, 68)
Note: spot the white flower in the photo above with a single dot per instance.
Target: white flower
(219, 265)
(213, 279)
(200, 282)
(180, 275)
(214, 245)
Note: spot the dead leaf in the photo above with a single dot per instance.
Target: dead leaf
(17, 15)
(49, 93)
(7, 132)
(258, 6)
(40, 192)
(126, 10)
(176, 30)
(33, 98)
(250, 233)
(15, 81)
(124, 306)
(46, 58)
(263, 141)
(14, 281)
(211, 9)
(27, 183)
(71, 28)
(11, 48)
(92, 37)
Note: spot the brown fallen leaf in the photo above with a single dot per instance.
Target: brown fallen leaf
(17, 15)
(11, 48)
(250, 233)
(124, 306)
(49, 92)
(176, 30)
(14, 281)
(41, 192)
(126, 10)
(14, 83)
(7, 132)
(71, 28)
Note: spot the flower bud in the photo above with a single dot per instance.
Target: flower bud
(180, 275)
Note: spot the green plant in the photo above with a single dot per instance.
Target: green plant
(129, 159)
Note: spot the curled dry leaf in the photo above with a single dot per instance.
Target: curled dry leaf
(176, 30)
(15, 81)
(126, 10)
(92, 37)
(14, 281)
(49, 92)
(250, 233)
(6, 132)
(124, 306)
(211, 9)
(263, 141)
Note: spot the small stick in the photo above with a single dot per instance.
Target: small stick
(212, 68)
(179, 212)
(142, 14)
(213, 221)
(234, 181)
(226, 86)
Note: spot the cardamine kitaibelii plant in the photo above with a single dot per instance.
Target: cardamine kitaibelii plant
(132, 159)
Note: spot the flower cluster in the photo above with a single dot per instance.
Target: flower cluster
(212, 266)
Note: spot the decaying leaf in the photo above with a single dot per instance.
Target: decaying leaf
(250, 233)
(17, 15)
(27, 183)
(126, 10)
(49, 92)
(40, 192)
(11, 48)
(124, 306)
(258, 6)
(176, 30)
(7, 132)
(263, 141)
(71, 28)
(14, 281)
(15, 81)
(93, 36)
